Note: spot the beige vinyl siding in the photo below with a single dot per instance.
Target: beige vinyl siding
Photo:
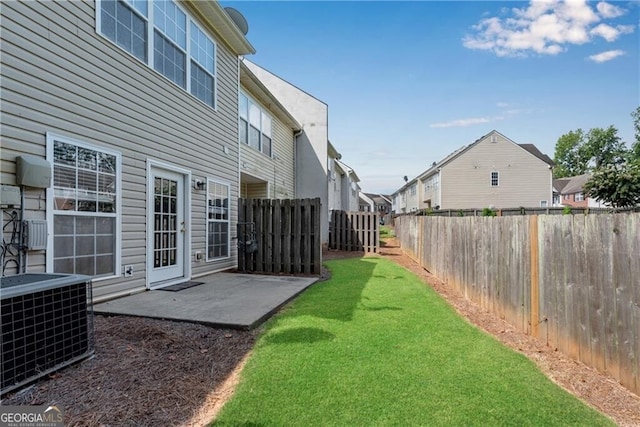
(60, 76)
(277, 172)
(524, 180)
(254, 191)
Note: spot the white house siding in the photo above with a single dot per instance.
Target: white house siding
(277, 172)
(429, 191)
(60, 76)
(311, 145)
(524, 180)
(336, 186)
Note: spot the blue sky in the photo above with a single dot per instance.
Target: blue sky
(409, 82)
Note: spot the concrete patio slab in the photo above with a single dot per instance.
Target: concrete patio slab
(227, 300)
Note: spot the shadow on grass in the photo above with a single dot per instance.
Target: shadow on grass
(343, 290)
(299, 335)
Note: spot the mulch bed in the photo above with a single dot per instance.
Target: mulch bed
(148, 372)
(145, 372)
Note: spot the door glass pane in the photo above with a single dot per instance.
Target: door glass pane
(165, 214)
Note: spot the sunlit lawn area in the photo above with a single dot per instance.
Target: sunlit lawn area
(374, 346)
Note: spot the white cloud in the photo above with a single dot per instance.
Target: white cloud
(461, 122)
(503, 104)
(610, 33)
(607, 10)
(606, 56)
(545, 27)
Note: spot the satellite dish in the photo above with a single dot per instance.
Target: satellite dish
(238, 19)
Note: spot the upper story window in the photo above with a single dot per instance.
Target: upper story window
(412, 190)
(432, 183)
(254, 125)
(579, 197)
(495, 179)
(162, 35)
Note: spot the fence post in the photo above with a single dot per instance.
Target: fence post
(535, 275)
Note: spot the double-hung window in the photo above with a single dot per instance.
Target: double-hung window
(162, 35)
(218, 220)
(495, 179)
(86, 187)
(254, 125)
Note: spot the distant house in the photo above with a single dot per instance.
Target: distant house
(366, 203)
(381, 203)
(347, 182)
(569, 191)
(494, 171)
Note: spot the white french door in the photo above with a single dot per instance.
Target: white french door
(167, 229)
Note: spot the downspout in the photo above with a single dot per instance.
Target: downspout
(296, 135)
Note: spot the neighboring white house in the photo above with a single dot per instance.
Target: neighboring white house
(366, 203)
(135, 107)
(267, 142)
(494, 171)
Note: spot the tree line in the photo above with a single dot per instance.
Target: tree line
(613, 164)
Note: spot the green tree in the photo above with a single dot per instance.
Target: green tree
(603, 147)
(617, 185)
(579, 152)
(635, 147)
(567, 156)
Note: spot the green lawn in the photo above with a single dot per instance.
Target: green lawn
(374, 346)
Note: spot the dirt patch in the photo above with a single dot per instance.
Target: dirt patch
(148, 372)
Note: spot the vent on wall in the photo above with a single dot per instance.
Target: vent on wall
(35, 232)
(46, 324)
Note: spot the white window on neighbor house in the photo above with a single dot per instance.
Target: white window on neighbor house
(543, 203)
(85, 208)
(163, 36)
(254, 125)
(495, 181)
(579, 197)
(218, 220)
(432, 183)
(412, 190)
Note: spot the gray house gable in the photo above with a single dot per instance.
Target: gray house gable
(481, 174)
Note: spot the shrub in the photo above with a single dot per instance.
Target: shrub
(488, 212)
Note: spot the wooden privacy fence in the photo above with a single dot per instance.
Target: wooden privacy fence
(572, 280)
(354, 231)
(279, 236)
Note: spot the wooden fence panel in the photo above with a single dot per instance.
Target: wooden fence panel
(354, 231)
(571, 280)
(287, 233)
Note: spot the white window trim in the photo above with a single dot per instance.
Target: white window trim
(50, 138)
(544, 204)
(263, 111)
(206, 240)
(150, 47)
(491, 178)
